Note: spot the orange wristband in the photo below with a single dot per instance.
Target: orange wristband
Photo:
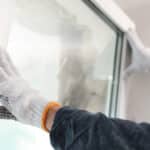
(49, 107)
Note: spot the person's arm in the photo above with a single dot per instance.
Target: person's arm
(75, 129)
(24, 102)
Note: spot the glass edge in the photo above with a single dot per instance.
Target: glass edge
(116, 75)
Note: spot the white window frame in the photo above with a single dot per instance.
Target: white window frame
(121, 23)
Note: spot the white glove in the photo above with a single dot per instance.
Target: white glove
(19, 98)
(140, 54)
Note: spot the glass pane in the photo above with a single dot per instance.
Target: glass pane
(67, 52)
(71, 60)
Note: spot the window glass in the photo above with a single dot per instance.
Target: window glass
(67, 52)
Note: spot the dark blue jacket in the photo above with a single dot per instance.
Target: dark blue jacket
(75, 129)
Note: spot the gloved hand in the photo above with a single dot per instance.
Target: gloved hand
(20, 99)
(140, 61)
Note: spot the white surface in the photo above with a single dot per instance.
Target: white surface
(139, 11)
(16, 136)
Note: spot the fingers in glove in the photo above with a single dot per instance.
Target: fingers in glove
(134, 40)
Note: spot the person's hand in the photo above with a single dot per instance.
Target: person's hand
(134, 40)
(140, 60)
(17, 96)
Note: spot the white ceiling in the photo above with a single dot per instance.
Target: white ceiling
(139, 11)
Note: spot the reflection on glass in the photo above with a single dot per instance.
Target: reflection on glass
(67, 52)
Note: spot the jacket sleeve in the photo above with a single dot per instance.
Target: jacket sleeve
(75, 129)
